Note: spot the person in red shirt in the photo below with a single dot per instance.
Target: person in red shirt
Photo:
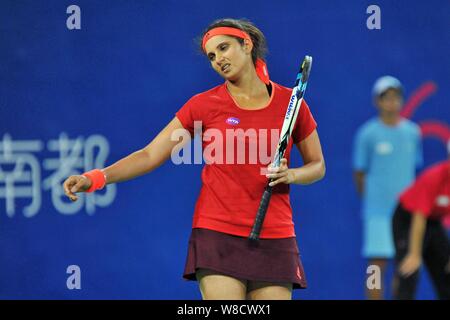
(237, 121)
(419, 234)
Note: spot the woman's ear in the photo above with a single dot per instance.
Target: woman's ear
(248, 46)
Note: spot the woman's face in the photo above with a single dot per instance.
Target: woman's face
(227, 56)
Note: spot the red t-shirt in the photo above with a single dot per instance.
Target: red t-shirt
(232, 183)
(430, 193)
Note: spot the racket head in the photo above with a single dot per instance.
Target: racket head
(306, 68)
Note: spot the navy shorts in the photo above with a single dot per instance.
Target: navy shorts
(269, 260)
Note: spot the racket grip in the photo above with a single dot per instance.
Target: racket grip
(261, 214)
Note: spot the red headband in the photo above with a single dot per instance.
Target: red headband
(260, 67)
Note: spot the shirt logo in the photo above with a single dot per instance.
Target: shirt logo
(384, 148)
(233, 121)
(442, 201)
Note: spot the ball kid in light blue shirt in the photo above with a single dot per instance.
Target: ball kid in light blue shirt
(387, 152)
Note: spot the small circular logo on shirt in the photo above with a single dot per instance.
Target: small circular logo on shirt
(233, 121)
(442, 201)
(384, 148)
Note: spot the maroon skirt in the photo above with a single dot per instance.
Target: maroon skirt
(269, 260)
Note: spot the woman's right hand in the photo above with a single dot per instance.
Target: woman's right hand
(75, 184)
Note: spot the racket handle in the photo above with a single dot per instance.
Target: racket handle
(261, 214)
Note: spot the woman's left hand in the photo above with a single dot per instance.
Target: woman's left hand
(281, 174)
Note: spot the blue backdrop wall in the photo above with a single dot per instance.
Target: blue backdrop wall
(75, 99)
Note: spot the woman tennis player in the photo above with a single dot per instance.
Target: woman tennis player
(220, 256)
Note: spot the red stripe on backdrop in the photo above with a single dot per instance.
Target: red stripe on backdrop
(430, 128)
(417, 97)
(435, 129)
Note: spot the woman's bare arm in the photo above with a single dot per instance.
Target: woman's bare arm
(147, 159)
(312, 170)
(314, 163)
(136, 164)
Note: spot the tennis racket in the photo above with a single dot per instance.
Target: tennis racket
(288, 125)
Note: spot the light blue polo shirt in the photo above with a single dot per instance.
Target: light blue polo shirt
(389, 155)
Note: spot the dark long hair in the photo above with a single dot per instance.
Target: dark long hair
(259, 41)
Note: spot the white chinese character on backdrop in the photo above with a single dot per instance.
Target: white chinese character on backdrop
(23, 179)
(75, 157)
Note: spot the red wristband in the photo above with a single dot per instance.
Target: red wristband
(97, 178)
